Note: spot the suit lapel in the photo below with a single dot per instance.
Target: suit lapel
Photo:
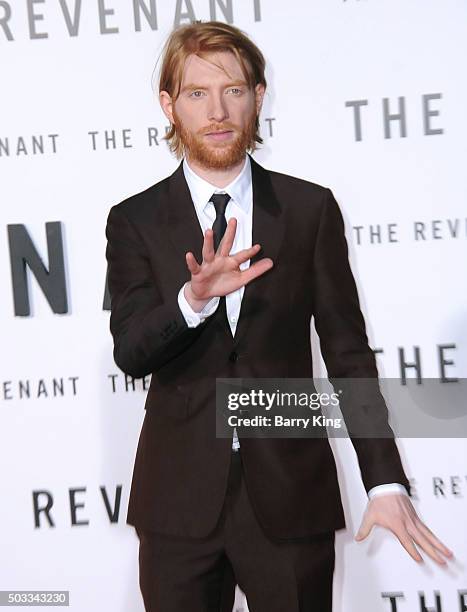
(183, 225)
(268, 230)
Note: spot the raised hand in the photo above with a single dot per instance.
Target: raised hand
(396, 513)
(219, 273)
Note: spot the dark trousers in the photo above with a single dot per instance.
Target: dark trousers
(178, 574)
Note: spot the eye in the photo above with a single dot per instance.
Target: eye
(195, 92)
(236, 89)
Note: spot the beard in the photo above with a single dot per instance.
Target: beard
(221, 154)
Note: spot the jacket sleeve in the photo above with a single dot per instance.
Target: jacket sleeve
(147, 331)
(344, 345)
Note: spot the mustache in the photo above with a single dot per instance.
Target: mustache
(214, 129)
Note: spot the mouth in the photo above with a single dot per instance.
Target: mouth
(222, 135)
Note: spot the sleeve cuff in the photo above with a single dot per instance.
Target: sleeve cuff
(192, 318)
(385, 489)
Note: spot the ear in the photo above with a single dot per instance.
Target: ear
(166, 104)
(259, 95)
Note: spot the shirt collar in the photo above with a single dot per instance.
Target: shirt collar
(240, 189)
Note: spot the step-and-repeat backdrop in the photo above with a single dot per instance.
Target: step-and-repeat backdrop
(365, 97)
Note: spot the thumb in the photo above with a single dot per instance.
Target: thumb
(364, 529)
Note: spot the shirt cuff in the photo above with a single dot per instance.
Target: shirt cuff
(192, 318)
(385, 489)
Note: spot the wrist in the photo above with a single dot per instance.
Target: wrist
(196, 304)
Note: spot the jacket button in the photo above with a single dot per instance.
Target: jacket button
(233, 356)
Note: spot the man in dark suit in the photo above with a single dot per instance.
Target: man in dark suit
(192, 300)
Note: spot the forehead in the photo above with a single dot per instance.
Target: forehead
(219, 65)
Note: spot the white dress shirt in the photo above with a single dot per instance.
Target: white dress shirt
(239, 206)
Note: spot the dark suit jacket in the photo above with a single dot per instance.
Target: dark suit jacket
(181, 467)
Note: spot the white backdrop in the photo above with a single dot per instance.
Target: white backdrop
(76, 111)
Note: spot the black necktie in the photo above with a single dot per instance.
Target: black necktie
(220, 223)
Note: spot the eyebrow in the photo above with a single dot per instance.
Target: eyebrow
(195, 86)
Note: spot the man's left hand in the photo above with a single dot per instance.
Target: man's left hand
(396, 512)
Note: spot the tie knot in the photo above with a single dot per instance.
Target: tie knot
(220, 202)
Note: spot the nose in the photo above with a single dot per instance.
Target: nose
(217, 109)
